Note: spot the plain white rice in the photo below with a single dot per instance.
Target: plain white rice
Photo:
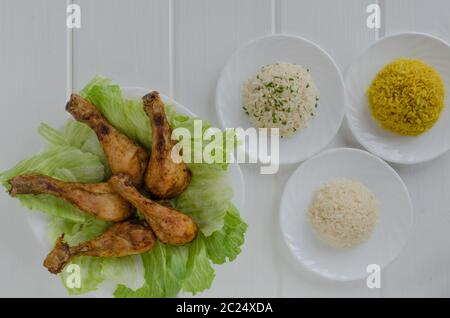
(343, 213)
(281, 95)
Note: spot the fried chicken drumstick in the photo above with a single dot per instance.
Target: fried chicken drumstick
(97, 199)
(121, 239)
(169, 225)
(164, 178)
(122, 153)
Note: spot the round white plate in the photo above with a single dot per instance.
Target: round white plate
(247, 60)
(394, 222)
(387, 145)
(38, 221)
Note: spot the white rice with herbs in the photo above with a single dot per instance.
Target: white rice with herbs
(281, 95)
(343, 213)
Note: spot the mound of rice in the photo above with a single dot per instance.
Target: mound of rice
(407, 97)
(343, 213)
(281, 95)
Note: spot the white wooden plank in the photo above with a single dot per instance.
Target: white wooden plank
(430, 16)
(206, 33)
(339, 27)
(422, 269)
(33, 90)
(127, 41)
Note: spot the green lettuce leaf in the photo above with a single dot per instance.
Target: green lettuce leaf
(225, 244)
(207, 196)
(165, 269)
(77, 135)
(126, 271)
(128, 116)
(199, 271)
(62, 162)
(74, 232)
(85, 167)
(168, 269)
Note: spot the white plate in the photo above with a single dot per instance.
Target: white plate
(391, 147)
(394, 223)
(247, 60)
(38, 221)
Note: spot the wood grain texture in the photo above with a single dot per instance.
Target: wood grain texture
(127, 41)
(422, 270)
(33, 90)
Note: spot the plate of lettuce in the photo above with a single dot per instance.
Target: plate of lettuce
(212, 200)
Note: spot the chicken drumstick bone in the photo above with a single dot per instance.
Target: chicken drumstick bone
(97, 199)
(121, 239)
(122, 153)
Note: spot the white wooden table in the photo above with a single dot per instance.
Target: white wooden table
(179, 48)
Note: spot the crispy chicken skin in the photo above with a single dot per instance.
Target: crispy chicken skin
(97, 199)
(169, 225)
(121, 239)
(122, 153)
(165, 179)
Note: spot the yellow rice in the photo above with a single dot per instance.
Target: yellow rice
(407, 97)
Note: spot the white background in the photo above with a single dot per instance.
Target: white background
(179, 48)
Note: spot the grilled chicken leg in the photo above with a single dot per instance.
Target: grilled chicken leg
(98, 199)
(123, 154)
(169, 225)
(164, 178)
(121, 239)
